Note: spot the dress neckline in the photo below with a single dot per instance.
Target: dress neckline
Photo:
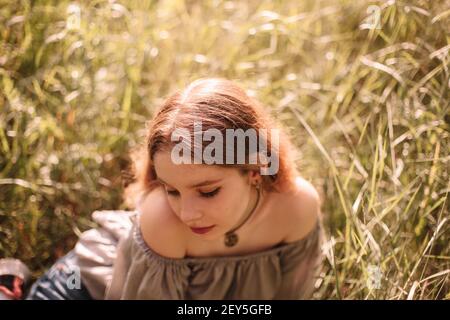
(273, 251)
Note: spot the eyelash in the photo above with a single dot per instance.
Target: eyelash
(203, 194)
(210, 194)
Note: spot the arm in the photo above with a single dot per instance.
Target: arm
(121, 265)
(300, 267)
(96, 249)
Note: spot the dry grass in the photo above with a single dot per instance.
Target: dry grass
(368, 110)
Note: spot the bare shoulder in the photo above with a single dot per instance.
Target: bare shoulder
(303, 208)
(161, 229)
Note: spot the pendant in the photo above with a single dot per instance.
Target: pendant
(231, 239)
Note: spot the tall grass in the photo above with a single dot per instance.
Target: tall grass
(368, 109)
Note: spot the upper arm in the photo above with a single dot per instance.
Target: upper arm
(120, 270)
(304, 210)
(299, 269)
(161, 229)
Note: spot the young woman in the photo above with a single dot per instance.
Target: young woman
(244, 226)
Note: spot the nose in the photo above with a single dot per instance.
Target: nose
(189, 212)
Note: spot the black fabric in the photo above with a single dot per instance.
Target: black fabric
(7, 281)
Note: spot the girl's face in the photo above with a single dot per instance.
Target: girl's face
(205, 196)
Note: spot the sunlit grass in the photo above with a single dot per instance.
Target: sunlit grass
(367, 108)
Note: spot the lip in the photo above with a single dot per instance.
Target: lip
(202, 230)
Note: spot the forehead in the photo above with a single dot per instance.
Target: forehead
(188, 174)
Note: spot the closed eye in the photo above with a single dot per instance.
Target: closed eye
(210, 194)
(173, 193)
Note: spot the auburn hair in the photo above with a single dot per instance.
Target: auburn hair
(218, 104)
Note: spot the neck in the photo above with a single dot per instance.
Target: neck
(252, 209)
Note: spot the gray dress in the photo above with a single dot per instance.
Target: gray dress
(116, 263)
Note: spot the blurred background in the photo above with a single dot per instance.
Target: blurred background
(362, 87)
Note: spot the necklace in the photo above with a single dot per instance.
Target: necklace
(231, 238)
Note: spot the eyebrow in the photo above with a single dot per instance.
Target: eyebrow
(196, 185)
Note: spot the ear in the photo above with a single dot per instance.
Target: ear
(254, 177)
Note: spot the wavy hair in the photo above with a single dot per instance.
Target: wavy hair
(218, 104)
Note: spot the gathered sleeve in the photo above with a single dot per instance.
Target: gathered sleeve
(120, 269)
(300, 267)
(96, 250)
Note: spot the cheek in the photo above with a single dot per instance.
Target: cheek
(231, 205)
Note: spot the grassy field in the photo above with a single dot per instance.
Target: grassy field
(365, 99)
